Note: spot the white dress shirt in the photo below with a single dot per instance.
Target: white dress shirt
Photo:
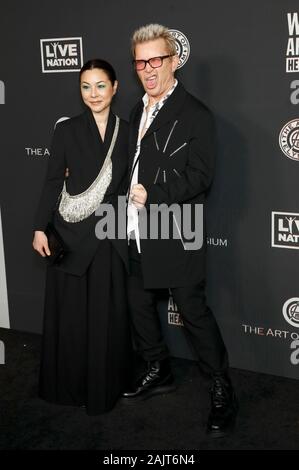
(148, 115)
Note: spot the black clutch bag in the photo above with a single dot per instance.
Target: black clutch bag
(56, 244)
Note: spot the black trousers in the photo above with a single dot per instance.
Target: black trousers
(200, 326)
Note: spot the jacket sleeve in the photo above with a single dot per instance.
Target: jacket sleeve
(53, 181)
(198, 173)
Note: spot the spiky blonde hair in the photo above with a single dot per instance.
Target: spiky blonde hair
(151, 32)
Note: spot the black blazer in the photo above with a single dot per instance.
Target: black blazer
(176, 166)
(77, 145)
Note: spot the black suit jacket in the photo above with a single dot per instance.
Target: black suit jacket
(176, 166)
(77, 145)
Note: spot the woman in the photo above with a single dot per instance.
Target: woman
(86, 342)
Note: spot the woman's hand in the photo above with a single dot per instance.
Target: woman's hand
(40, 243)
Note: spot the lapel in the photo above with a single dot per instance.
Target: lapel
(109, 132)
(169, 110)
(98, 147)
(134, 127)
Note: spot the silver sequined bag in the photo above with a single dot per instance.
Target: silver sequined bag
(80, 206)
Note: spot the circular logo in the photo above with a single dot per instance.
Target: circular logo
(289, 139)
(182, 46)
(290, 311)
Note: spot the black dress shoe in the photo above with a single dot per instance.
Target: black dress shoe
(157, 379)
(224, 407)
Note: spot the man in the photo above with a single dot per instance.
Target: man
(172, 162)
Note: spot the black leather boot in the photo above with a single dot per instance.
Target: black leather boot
(224, 407)
(157, 379)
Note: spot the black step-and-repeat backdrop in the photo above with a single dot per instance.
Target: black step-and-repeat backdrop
(242, 60)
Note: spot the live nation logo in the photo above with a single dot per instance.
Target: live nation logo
(61, 54)
(285, 230)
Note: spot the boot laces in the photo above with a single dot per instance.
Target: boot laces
(220, 393)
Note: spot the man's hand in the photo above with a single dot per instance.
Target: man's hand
(40, 243)
(138, 195)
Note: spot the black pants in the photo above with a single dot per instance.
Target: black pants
(200, 326)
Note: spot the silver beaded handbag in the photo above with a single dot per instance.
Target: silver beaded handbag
(80, 206)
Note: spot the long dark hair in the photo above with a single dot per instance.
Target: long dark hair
(99, 64)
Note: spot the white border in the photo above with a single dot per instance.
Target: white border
(272, 230)
(2, 92)
(60, 39)
(4, 313)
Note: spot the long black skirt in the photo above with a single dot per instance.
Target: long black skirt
(86, 352)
